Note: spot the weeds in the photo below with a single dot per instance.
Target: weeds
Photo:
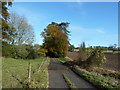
(70, 84)
(98, 79)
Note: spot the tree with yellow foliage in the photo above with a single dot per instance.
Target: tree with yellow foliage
(56, 39)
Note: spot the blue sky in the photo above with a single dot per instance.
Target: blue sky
(96, 23)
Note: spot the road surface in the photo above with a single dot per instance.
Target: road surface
(56, 69)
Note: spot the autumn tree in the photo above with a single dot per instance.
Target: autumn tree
(56, 39)
(4, 16)
(17, 33)
(5, 30)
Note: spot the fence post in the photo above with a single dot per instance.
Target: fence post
(29, 73)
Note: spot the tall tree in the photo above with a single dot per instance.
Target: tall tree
(62, 26)
(4, 16)
(23, 33)
(4, 12)
(4, 28)
(83, 46)
(56, 39)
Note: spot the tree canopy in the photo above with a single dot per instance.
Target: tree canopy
(23, 33)
(4, 16)
(56, 39)
(17, 34)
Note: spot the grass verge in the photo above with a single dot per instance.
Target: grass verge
(69, 83)
(97, 79)
(62, 60)
(107, 72)
(15, 73)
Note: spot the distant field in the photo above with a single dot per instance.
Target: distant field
(15, 73)
(112, 61)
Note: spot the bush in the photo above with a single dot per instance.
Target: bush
(83, 55)
(6, 50)
(96, 58)
(42, 52)
(21, 52)
(32, 54)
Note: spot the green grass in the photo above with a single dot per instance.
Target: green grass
(97, 79)
(62, 60)
(15, 73)
(107, 72)
(69, 83)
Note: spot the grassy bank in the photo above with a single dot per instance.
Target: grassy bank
(69, 83)
(15, 73)
(98, 79)
(62, 60)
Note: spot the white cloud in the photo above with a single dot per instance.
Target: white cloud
(87, 30)
(77, 28)
(84, 34)
(77, 5)
(101, 31)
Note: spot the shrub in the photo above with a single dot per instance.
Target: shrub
(21, 52)
(32, 54)
(6, 50)
(83, 55)
(96, 58)
(42, 52)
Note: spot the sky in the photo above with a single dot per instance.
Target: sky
(95, 23)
